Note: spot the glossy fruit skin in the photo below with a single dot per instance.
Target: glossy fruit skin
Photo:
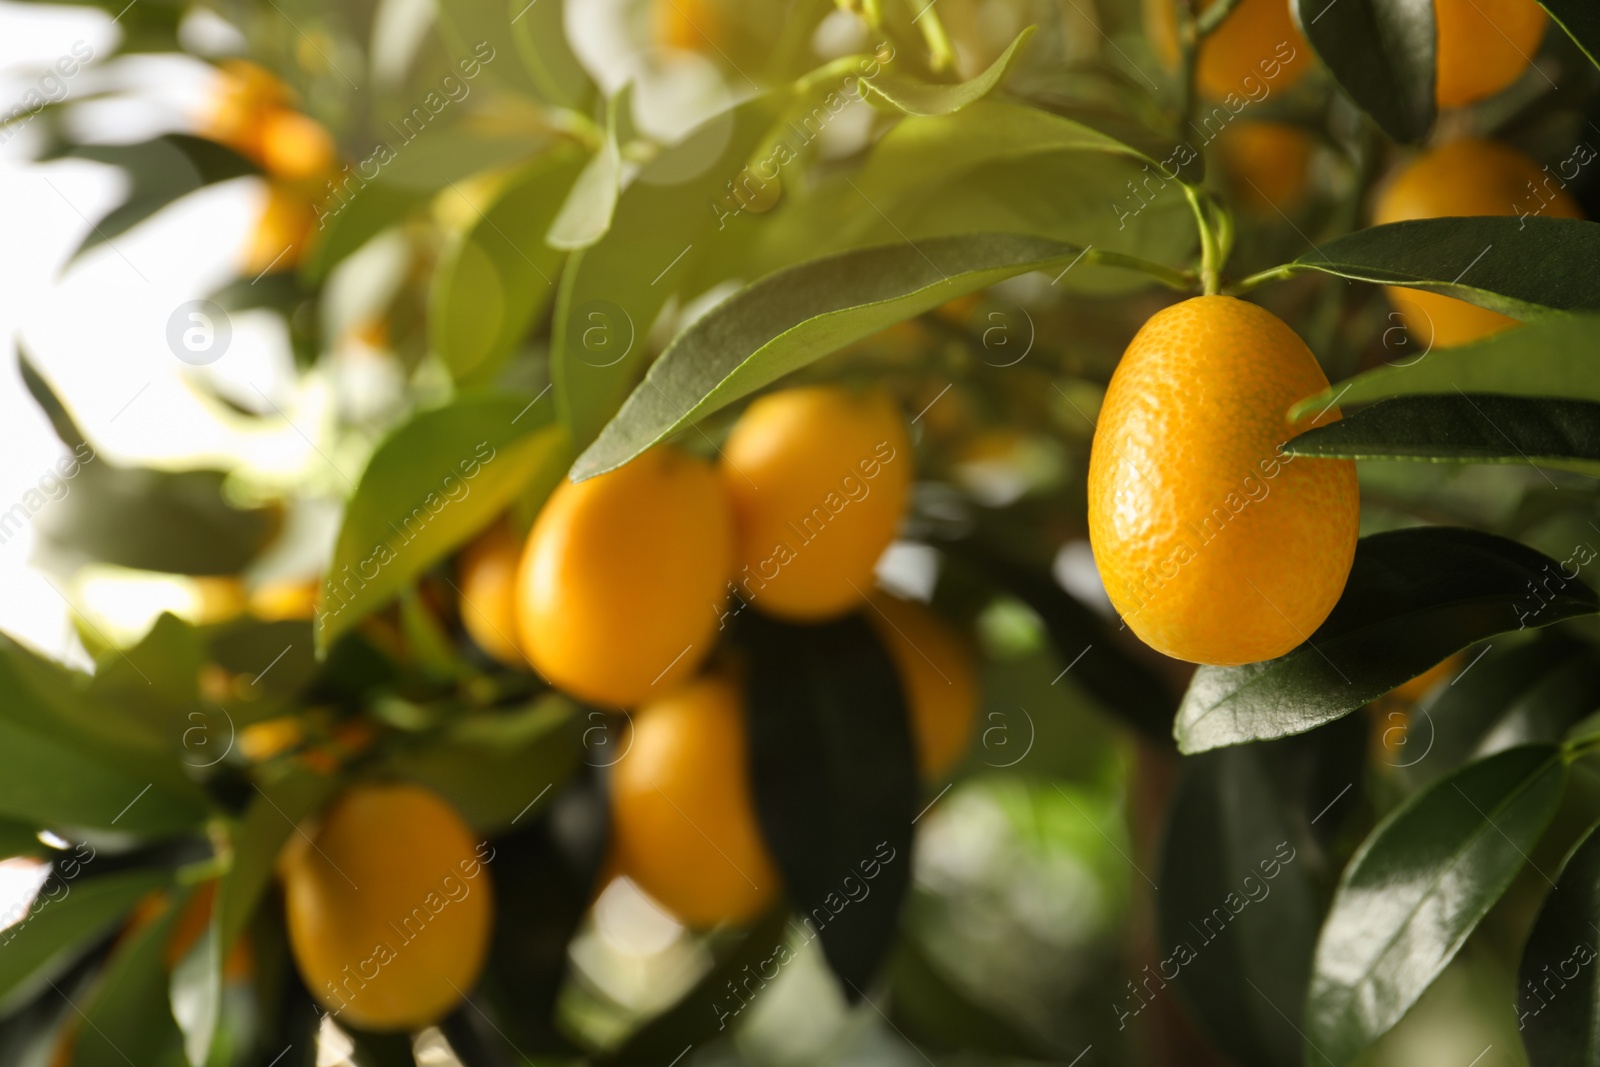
(623, 578)
(683, 821)
(488, 586)
(1483, 46)
(819, 478)
(1466, 177)
(389, 914)
(1213, 546)
(938, 677)
(1258, 46)
(1269, 164)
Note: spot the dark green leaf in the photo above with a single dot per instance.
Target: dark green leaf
(1522, 267)
(65, 762)
(1414, 596)
(1558, 990)
(1581, 20)
(159, 172)
(1082, 643)
(930, 1009)
(1239, 913)
(795, 317)
(1450, 724)
(540, 33)
(434, 482)
(1382, 54)
(348, 220)
(668, 218)
(493, 766)
(549, 864)
(499, 275)
(912, 96)
(276, 807)
(126, 1019)
(1554, 357)
(835, 783)
(705, 1010)
(1417, 888)
(63, 921)
(1461, 427)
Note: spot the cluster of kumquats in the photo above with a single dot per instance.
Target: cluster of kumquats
(252, 112)
(617, 594)
(1194, 407)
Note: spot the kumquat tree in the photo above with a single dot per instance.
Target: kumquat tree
(701, 533)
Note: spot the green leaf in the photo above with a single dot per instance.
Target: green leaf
(931, 1009)
(1414, 596)
(1417, 888)
(540, 33)
(1239, 907)
(179, 522)
(998, 166)
(585, 216)
(1462, 428)
(795, 317)
(611, 292)
(275, 809)
(1558, 989)
(433, 483)
(1581, 20)
(159, 172)
(127, 1020)
(1551, 358)
(499, 275)
(1509, 689)
(346, 221)
(914, 96)
(64, 762)
(67, 916)
(1381, 52)
(834, 782)
(492, 767)
(1522, 267)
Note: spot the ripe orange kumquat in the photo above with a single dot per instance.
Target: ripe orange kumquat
(622, 580)
(819, 478)
(1213, 545)
(683, 820)
(389, 905)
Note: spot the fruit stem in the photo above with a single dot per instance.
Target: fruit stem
(1181, 280)
(1208, 20)
(941, 52)
(1276, 274)
(1210, 250)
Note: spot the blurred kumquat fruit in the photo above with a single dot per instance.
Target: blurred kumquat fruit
(389, 905)
(819, 478)
(622, 580)
(1483, 46)
(1258, 46)
(1469, 176)
(938, 676)
(683, 821)
(488, 573)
